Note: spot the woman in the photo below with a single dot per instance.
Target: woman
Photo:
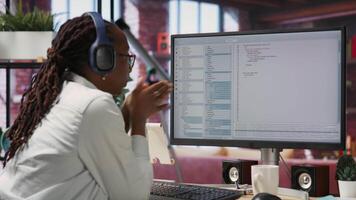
(69, 140)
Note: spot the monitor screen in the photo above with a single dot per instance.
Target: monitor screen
(273, 89)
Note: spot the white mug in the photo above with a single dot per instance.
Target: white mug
(265, 178)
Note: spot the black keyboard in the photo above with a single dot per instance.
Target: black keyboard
(178, 191)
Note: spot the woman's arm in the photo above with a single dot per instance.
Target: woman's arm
(118, 163)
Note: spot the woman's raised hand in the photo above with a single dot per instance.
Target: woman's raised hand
(146, 100)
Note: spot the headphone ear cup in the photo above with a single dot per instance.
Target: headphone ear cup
(105, 58)
(102, 55)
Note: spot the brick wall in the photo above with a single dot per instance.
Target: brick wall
(152, 18)
(41, 4)
(22, 80)
(244, 20)
(2, 98)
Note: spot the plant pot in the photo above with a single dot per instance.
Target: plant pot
(18, 45)
(347, 188)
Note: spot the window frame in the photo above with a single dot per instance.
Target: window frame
(176, 23)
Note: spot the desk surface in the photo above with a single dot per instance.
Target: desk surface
(284, 193)
(249, 197)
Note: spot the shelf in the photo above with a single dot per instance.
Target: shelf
(21, 63)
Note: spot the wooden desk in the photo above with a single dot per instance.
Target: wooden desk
(295, 195)
(249, 197)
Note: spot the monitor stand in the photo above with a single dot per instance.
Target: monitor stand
(270, 156)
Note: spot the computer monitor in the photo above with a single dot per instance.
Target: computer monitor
(260, 89)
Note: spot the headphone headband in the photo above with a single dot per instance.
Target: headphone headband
(99, 26)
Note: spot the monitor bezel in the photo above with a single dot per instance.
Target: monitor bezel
(266, 144)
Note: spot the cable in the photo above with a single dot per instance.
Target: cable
(170, 147)
(2, 99)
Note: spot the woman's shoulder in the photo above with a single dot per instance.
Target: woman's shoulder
(78, 96)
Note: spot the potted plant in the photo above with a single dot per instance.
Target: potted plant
(346, 176)
(25, 35)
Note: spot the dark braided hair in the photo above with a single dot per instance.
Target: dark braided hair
(69, 50)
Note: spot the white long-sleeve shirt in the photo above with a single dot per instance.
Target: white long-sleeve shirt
(80, 151)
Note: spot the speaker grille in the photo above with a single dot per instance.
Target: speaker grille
(233, 174)
(237, 170)
(305, 181)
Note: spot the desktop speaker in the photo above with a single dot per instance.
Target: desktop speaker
(237, 170)
(312, 179)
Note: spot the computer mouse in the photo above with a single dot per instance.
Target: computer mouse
(265, 196)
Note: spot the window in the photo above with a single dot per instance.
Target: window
(105, 9)
(209, 18)
(230, 21)
(60, 10)
(173, 16)
(189, 18)
(77, 8)
(199, 17)
(2, 6)
(66, 9)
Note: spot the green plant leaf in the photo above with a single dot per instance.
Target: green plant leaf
(37, 20)
(346, 168)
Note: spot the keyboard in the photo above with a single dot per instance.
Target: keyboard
(177, 191)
